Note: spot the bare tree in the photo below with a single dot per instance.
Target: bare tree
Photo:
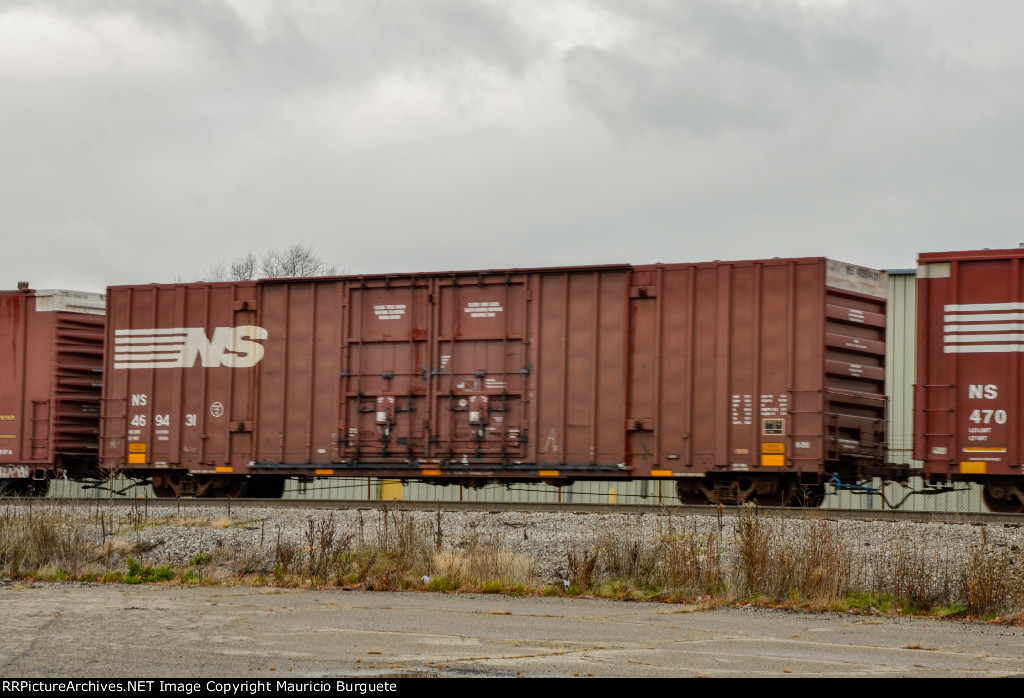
(244, 267)
(299, 259)
(215, 272)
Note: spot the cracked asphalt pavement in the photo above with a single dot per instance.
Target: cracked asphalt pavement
(55, 630)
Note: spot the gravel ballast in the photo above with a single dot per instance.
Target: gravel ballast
(159, 537)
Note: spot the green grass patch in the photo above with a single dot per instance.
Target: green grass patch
(443, 584)
(952, 610)
(492, 586)
(140, 574)
(867, 601)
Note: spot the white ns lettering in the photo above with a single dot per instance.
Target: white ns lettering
(982, 392)
(182, 347)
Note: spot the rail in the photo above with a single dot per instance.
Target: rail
(229, 505)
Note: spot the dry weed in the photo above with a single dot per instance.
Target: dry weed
(187, 521)
(689, 562)
(451, 564)
(914, 576)
(582, 562)
(45, 536)
(992, 582)
(484, 564)
(812, 564)
(286, 553)
(247, 562)
(118, 545)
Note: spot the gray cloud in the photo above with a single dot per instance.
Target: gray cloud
(143, 141)
(310, 43)
(724, 65)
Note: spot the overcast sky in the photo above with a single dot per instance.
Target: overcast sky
(144, 141)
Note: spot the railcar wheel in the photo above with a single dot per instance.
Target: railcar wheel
(689, 494)
(229, 487)
(164, 491)
(782, 496)
(162, 486)
(265, 487)
(1000, 499)
(181, 484)
(24, 487)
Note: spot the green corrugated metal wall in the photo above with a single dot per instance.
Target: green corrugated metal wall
(901, 343)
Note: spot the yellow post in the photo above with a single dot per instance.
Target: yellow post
(613, 496)
(391, 490)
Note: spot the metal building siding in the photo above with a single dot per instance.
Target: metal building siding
(901, 347)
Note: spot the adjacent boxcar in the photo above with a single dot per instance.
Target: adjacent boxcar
(969, 369)
(50, 385)
(757, 379)
(738, 379)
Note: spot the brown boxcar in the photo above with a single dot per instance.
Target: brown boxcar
(749, 379)
(968, 396)
(50, 385)
(740, 379)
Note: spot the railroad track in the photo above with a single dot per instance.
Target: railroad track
(726, 511)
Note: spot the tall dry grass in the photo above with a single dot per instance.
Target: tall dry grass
(44, 536)
(483, 565)
(812, 563)
(676, 560)
(993, 582)
(392, 555)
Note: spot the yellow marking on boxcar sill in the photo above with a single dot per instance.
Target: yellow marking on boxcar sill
(137, 458)
(136, 447)
(548, 473)
(972, 467)
(225, 469)
(772, 447)
(979, 449)
(425, 471)
(774, 461)
(661, 473)
(323, 471)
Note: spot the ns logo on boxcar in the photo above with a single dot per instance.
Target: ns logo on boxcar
(179, 347)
